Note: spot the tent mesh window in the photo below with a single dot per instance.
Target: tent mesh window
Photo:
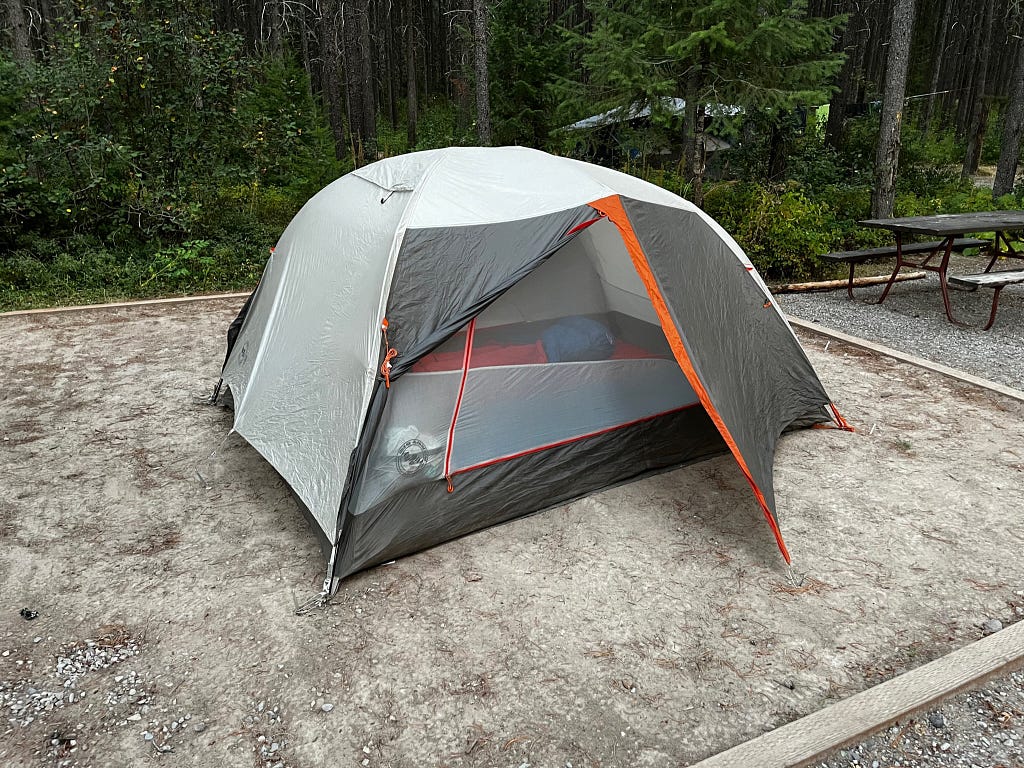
(571, 351)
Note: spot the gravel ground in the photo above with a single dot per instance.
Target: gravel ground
(912, 320)
(982, 728)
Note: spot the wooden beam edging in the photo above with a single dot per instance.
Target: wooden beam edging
(920, 362)
(811, 738)
(140, 303)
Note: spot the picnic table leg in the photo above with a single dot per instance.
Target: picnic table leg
(1010, 251)
(995, 306)
(942, 281)
(895, 271)
(995, 251)
(849, 285)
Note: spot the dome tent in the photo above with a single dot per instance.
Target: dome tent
(446, 340)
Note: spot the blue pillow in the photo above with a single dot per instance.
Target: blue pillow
(577, 338)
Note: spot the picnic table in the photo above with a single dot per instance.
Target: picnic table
(950, 227)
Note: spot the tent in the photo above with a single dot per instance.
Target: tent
(446, 340)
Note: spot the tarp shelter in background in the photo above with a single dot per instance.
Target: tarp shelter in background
(613, 135)
(450, 339)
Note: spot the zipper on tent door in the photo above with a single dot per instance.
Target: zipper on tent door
(458, 404)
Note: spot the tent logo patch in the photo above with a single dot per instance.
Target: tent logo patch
(412, 457)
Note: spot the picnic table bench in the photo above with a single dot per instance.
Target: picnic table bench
(996, 280)
(853, 258)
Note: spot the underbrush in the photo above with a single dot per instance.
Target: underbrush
(225, 249)
(81, 270)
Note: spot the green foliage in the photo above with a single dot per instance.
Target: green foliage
(138, 118)
(439, 126)
(40, 271)
(286, 142)
(182, 156)
(781, 230)
(991, 146)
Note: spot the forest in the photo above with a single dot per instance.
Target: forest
(155, 147)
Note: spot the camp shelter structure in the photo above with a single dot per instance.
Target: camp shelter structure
(446, 340)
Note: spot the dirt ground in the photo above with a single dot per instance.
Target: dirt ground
(649, 625)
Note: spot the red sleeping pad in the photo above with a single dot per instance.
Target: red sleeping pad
(488, 355)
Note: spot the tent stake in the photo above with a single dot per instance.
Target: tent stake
(794, 578)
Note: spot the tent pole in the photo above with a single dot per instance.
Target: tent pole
(216, 392)
(331, 583)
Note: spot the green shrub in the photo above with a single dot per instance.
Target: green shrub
(781, 230)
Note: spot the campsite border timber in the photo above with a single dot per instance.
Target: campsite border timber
(811, 738)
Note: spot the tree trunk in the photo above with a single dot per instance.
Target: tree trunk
(1013, 122)
(369, 91)
(968, 88)
(351, 62)
(883, 194)
(778, 146)
(940, 57)
(411, 104)
(21, 40)
(482, 75)
(693, 144)
(853, 44)
(392, 66)
(981, 104)
(329, 55)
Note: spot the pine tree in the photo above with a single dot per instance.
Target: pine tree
(528, 56)
(765, 57)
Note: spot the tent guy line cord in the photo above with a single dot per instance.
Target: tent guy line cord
(209, 458)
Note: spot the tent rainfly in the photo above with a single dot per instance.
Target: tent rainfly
(446, 340)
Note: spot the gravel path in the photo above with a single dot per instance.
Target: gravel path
(912, 320)
(982, 728)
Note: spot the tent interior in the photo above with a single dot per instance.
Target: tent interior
(573, 350)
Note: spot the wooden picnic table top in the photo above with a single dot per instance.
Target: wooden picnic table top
(946, 224)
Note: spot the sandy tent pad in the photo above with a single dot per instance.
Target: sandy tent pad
(651, 624)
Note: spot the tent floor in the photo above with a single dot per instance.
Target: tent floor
(653, 623)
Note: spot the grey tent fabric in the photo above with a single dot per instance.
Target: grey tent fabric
(760, 382)
(426, 515)
(449, 274)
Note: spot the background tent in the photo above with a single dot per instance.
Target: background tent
(449, 339)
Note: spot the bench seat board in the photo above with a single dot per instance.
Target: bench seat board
(989, 279)
(889, 251)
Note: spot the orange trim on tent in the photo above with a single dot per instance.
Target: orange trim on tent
(612, 208)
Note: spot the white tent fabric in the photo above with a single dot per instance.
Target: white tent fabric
(310, 345)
